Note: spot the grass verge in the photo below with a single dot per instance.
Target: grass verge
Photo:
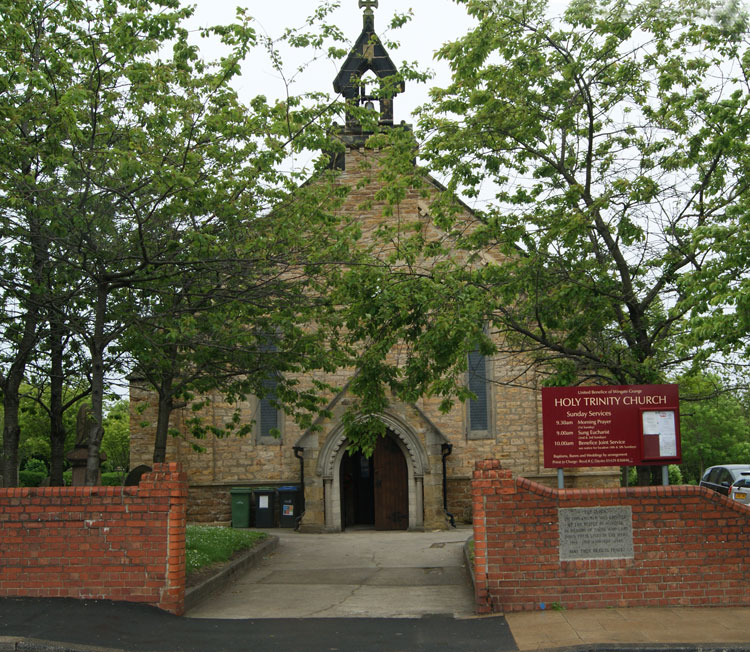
(207, 545)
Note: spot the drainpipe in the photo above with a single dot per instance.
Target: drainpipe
(297, 453)
(446, 449)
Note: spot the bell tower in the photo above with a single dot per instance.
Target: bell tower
(368, 55)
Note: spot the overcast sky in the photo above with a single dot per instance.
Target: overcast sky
(434, 22)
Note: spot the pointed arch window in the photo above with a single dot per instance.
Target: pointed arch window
(269, 419)
(479, 412)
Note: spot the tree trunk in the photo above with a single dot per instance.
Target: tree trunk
(96, 347)
(166, 405)
(11, 427)
(11, 400)
(57, 428)
(11, 435)
(162, 425)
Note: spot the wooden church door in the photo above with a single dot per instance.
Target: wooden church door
(391, 486)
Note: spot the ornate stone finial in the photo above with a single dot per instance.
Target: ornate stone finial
(368, 5)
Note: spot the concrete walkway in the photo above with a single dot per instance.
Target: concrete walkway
(647, 629)
(366, 592)
(353, 574)
(366, 574)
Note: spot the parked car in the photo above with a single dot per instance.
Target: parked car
(740, 491)
(721, 478)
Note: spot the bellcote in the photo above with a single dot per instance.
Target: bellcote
(368, 55)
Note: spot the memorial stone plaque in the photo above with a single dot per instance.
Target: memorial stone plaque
(596, 533)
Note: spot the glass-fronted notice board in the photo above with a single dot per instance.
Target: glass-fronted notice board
(659, 431)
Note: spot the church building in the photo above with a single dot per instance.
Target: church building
(420, 473)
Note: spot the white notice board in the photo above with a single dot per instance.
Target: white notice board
(659, 434)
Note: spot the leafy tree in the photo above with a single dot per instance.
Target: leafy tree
(128, 162)
(612, 143)
(258, 308)
(66, 67)
(715, 428)
(616, 137)
(116, 439)
(34, 423)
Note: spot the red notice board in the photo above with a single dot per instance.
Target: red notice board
(623, 425)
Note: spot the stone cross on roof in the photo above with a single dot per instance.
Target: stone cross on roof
(368, 5)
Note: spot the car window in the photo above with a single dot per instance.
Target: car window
(725, 477)
(714, 476)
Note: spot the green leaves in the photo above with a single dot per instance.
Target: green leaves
(147, 209)
(715, 424)
(607, 151)
(615, 135)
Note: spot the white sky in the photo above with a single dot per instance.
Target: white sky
(434, 22)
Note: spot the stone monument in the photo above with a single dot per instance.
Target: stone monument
(80, 453)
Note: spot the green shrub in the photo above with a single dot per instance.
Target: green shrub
(675, 475)
(113, 479)
(31, 478)
(205, 545)
(35, 464)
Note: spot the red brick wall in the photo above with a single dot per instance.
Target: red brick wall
(113, 543)
(690, 547)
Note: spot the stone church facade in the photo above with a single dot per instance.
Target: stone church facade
(419, 475)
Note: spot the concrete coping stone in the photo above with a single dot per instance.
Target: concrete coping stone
(469, 559)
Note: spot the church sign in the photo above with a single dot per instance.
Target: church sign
(624, 425)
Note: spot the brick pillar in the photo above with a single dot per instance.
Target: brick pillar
(487, 475)
(168, 482)
(489, 480)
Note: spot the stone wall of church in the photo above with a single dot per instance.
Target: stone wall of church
(214, 464)
(514, 437)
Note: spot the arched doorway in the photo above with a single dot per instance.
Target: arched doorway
(375, 491)
(333, 456)
(357, 491)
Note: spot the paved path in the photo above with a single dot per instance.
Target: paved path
(640, 626)
(367, 574)
(361, 592)
(353, 574)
